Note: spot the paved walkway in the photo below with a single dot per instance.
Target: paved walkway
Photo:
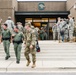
(46, 66)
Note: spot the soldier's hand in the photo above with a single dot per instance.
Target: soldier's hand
(11, 41)
(13, 35)
(25, 45)
(0, 20)
(31, 46)
(0, 41)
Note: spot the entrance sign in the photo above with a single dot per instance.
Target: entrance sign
(41, 6)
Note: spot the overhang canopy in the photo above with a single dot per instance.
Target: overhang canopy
(48, 13)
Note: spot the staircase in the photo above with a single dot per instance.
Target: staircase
(49, 51)
(54, 56)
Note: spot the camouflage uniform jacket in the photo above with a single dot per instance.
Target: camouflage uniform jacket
(30, 37)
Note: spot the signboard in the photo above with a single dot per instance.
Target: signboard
(41, 6)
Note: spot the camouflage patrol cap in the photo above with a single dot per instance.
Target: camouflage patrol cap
(32, 27)
(28, 24)
(9, 17)
(69, 15)
(18, 22)
(37, 28)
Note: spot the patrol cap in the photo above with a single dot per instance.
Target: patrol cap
(69, 15)
(37, 28)
(19, 23)
(32, 27)
(9, 17)
(5, 24)
(29, 24)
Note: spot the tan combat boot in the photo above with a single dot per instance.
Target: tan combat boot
(60, 41)
(65, 40)
(34, 65)
(75, 39)
(28, 63)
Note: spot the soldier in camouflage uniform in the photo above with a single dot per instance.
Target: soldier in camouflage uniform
(19, 24)
(58, 29)
(54, 29)
(17, 41)
(71, 27)
(75, 33)
(45, 33)
(6, 37)
(37, 32)
(66, 32)
(62, 29)
(42, 33)
(10, 24)
(0, 29)
(30, 43)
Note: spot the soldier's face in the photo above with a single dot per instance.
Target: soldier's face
(4, 27)
(59, 19)
(27, 27)
(15, 29)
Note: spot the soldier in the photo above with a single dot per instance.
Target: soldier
(37, 35)
(54, 29)
(6, 37)
(10, 24)
(30, 43)
(0, 29)
(62, 29)
(75, 33)
(58, 29)
(71, 27)
(66, 32)
(17, 41)
(42, 33)
(37, 32)
(45, 33)
(19, 24)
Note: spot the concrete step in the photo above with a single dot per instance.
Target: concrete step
(45, 43)
(41, 66)
(48, 46)
(47, 49)
(43, 58)
(52, 72)
(46, 54)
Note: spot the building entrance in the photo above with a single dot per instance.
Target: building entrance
(45, 23)
(45, 19)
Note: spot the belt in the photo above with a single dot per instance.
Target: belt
(5, 38)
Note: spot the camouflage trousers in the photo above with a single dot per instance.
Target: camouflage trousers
(59, 36)
(54, 35)
(28, 51)
(70, 35)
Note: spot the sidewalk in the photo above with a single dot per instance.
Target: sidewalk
(41, 66)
